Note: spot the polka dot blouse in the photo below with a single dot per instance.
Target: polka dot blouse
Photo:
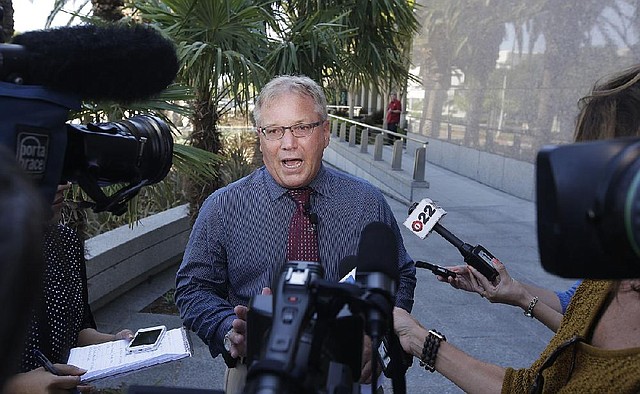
(63, 310)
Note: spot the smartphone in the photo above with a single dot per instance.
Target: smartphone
(146, 339)
(436, 269)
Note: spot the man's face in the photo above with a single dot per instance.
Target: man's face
(293, 162)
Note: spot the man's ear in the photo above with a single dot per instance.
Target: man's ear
(327, 133)
(259, 142)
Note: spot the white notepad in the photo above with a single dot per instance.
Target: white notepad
(111, 358)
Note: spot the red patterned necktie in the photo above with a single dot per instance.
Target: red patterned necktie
(303, 239)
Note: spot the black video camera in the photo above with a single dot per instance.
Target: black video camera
(45, 73)
(588, 203)
(137, 151)
(304, 338)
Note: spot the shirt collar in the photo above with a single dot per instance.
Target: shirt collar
(320, 184)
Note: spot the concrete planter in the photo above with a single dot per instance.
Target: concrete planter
(122, 258)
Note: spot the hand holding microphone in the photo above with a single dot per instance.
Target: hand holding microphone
(424, 217)
(378, 274)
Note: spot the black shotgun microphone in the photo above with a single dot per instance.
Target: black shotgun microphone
(116, 63)
(378, 257)
(378, 274)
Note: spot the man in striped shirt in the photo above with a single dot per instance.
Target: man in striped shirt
(239, 241)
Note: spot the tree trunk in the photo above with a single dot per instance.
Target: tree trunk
(205, 136)
(6, 20)
(476, 97)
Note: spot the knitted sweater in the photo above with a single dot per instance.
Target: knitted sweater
(595, 370)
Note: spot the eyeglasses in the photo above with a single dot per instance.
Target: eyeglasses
(302, 130)
(538, 382)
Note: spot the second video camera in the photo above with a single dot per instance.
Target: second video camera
(588, 201)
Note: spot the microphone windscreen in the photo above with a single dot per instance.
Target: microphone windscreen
(117, 62)
(378, 250)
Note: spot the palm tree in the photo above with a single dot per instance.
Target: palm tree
(439, 45)
(343, 43)
(565, 27)
(220, 45)
(196, 165)
(379, 53)
(6, 20)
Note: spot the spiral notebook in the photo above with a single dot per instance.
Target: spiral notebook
(111, 358)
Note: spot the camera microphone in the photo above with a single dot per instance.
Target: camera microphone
(424, 217)
(378, 274)
(117, 63)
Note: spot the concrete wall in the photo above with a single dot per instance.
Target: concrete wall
(509, 175)
(121, 259)
(397, 183)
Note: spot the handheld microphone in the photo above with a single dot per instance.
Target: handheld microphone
(424, 217)
(378, 274)
(117, 63)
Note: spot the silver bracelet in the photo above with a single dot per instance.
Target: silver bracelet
(532, 304)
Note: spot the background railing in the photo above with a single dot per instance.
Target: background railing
(396, 165)
(358, 133)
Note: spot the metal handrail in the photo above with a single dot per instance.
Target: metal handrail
(424, 143)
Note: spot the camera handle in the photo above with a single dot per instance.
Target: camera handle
(116, 203)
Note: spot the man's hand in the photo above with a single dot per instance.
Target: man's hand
(238, 335)
(367, 358)
(409, 330)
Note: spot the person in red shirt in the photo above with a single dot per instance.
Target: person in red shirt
(393, 113)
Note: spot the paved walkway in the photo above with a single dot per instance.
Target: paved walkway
(496, 333)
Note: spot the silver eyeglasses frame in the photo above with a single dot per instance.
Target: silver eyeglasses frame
(302, 130)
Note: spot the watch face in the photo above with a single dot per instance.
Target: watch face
(227, 342)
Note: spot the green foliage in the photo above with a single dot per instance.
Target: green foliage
(236, 162)
(170, 296)
(150, 200)
(220, 43)
(239, 151)
(376, 118)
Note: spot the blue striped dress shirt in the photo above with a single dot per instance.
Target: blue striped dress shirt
(239, 240)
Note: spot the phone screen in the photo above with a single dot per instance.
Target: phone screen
(145, 338)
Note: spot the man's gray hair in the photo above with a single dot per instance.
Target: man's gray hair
(298, 84)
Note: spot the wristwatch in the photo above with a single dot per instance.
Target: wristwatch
(227, 340)
(226, 355)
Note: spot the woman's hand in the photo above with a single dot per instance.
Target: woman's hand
(40, 381)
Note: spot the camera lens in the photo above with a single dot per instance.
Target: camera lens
(155, 161)
(137, 151)
(134, 150)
